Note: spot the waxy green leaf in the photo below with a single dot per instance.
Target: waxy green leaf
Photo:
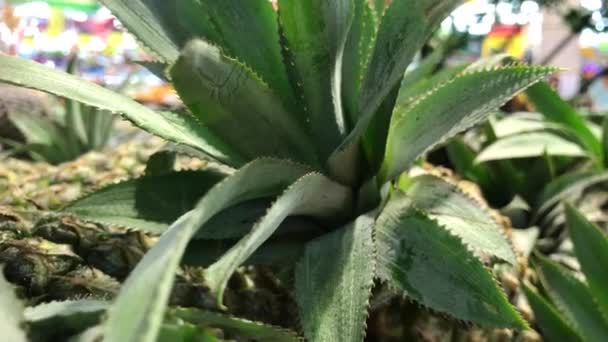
(435, 268)
(334, 280)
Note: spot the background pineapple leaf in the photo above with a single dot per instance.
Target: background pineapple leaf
(228, 98)
(549, 319)
(11, 312)
(565, 188)
(50, 321)
(183, 129)
(573, 298)
(141, 17)
(312, 195)
(528, 145)
(434, 268)
(148, 203)
(334, 279)
(305, 27)
(451, 108)
(517, 123)
(550, 104)
(138, 310)
(249, 329)
(462, 216)
(44, 138)
(591, 247)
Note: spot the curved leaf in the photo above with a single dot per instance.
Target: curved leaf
(334, 280)
(528, 145)
(249, 329)
(312, 195)
(462, 216)
(311, 38)
(183, 129)
(549, 320)
(573, 298)
(563, 188)
(138, 311)
(433, 267)
(517, 123)
(228, 98)
(591, 247)
(404, 28)
(551, 105)
(449, 109)
(148, 203)
(247, 31)
(356, 56)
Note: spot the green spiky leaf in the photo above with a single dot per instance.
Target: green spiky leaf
(450, 109)
(573, 298)
(148, 203)
(591, 247)
(249, 329)
(551, 323)
(333, 283)
(142, 18)
(356, 55)
(138, 311)
(404, 28)
(312, 39)
(461, 215)
(312, 195)
(528, 145)
(183, 129)
(434, 268)
(235, 104)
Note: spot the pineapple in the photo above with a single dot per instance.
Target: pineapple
(312, 124)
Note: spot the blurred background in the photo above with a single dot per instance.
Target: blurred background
(572, 34)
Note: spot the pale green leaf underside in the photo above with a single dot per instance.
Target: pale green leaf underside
(573, 298)
(520, 123)
(461, 215)
(529, 145)
(333, 283)
(149, 203)
(249, 329)
(11, 313)
(183, 129)
(139, 308)
(433, 267)
(551, 323)
(591, 247)
(450, 109)
(237, 106)
(312, 195)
